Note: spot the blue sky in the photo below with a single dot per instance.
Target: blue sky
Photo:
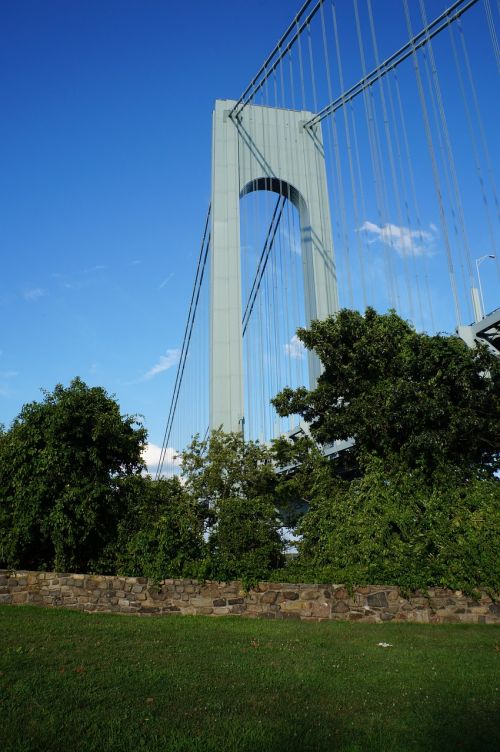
(105, 145)
(105, 181)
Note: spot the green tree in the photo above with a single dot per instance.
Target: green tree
(61, 468)
(392, 526)
(161, 533)
(428, 401)
(245, 542)
(234, 482)
(225, 466)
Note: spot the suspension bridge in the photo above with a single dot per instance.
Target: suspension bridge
(357, 168)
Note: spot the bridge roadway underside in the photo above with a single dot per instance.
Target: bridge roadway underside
(486, 331)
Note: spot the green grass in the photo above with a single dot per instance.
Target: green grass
(72, 681)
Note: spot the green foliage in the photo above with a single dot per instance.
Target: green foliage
(61, 466)
(245, 543)
(225, 466)
(300, 463)
(161, 535)
(429, 401)
(392, 526)
(234, 481)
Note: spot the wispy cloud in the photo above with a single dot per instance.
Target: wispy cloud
(403, 240)
(165, 362)
(5, 377)
(96, 268)
(166, 281)
(295, 348)
(152, 456)
(34, 293)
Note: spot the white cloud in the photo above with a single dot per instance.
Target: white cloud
(8, 374)
(152, 455)
(295, 348)
(34, 293)
(166, 281)
(404, 240)
(166, 361)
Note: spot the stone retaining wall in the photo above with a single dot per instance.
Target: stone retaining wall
(270, 600)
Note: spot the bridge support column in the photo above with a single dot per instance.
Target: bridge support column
(265, 148)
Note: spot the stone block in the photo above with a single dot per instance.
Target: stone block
(156, 595)
(421, 617)
(386, 616)
(20, 598)
(200, 601)
(138, 588)
(340, 607)
(6, 598)
(218, 602)
(204, 610)
(239, 608)
(341, 594)
(293, 606)
(269, 597)
(288, 595)
(377, 600)
(320, 609)
(310, 595)
(235, 601)
(494, 609)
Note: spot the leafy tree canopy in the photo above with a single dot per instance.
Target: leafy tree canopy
(61, 464)
(234, 481)
(160, 534)
(430, 401)
(225, 466)
(391, 526)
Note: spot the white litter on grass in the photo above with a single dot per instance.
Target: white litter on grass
(385, 645)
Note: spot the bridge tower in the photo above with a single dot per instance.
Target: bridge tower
(262, 148)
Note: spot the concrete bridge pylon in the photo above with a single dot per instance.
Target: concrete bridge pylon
(262, 148)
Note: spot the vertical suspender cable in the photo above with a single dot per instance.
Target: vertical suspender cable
(435, 172)
(493, 33)
(345, 113)
(403, 249)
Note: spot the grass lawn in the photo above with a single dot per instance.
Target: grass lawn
(73, 681)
